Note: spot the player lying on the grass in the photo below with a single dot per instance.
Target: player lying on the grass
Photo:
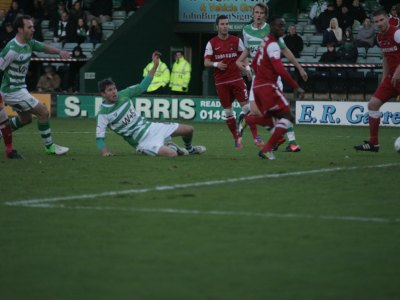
(267, 65)
(118, 113)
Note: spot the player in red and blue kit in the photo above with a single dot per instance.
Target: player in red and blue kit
(268, 96)
(221, 53)
(389, 41)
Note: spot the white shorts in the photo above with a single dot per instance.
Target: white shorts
(156, 137)
(20, 100)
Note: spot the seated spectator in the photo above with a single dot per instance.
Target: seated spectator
(338, 4)
(77, 12)
(73, 72)
(345, 18)
(317, 8)
(330, 56)
(347, 53)
(13, 12)
(293, 41)
(348, 35)
(55, 12)
(40, 12)
(387, 4)
(366, 35)
(102, 9)
(81, 31)
(357, 11)
(325, 18)
(95, 32)
(6, 34)
(65, 30)
(37, 35)
(50, 81)
(393, 18)
(333, 34)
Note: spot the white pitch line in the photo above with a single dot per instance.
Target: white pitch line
(223, 213)
(190, 185)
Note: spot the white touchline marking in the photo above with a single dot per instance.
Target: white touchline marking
(190, 185)
(221, 213)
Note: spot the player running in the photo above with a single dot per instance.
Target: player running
(118, 113)
(389, 41)
(253, 34)
(14, 61)
(221, 53)
(268, 96)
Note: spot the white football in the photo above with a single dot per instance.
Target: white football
(397, 144)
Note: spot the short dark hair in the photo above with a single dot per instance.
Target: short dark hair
(379, 12)
(103, 84)
(19, 21)
(274, 18)
(220, 17)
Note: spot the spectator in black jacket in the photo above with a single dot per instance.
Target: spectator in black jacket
(6, 34)
(293, 41)
(13, 12)
(65, 30)
(325, 18)
(348, 52)
(330, 56)
(102, 9)
(358, 11)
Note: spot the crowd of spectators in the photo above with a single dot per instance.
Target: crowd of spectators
(70, 21)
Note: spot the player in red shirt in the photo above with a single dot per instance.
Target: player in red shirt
(389, 40)
(221, 53)
(268, 96)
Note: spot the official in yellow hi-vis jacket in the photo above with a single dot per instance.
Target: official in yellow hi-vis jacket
(180, 75)
(161, 77)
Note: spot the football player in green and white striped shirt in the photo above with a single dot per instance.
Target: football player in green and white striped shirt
(14, 61)
(253, 35)
(118, 113)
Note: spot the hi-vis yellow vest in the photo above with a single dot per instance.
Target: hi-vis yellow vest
(180, 76)
(161, 77)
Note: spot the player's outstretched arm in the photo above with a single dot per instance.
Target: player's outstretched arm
(52, 50)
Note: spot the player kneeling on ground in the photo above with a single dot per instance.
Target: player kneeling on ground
(118, 113)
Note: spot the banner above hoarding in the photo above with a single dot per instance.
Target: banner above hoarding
(206, 11)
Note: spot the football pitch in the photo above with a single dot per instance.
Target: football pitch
(323, 223)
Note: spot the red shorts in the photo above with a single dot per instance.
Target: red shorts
(228, 92)
(270, 100)
(386, 90)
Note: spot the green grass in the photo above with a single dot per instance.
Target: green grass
(322, 235)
